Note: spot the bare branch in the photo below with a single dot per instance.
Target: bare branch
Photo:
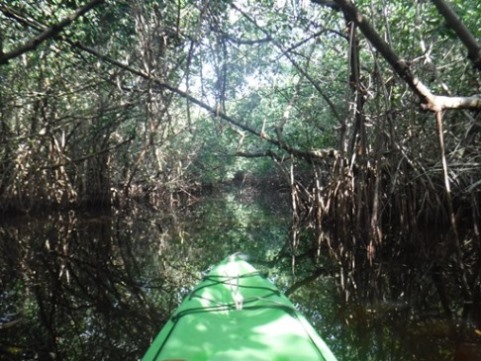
(268, 153)
(310, 155)
(469, 41)
(438, 103)
(88, 156)
(240, 41)
(48, 33)
(429, 101)
(328, 3)
(293, 62)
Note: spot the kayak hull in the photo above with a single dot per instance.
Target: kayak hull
(237, 314)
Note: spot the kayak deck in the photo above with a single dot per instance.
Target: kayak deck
(237, 314)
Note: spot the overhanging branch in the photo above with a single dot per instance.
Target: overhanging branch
(463, 33)
(293, 62)
(48, 33)
(434, 103)
(311, 155)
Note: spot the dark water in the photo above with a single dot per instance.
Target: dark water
(99, 287)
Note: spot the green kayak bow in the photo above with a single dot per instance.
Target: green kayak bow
(237, 314)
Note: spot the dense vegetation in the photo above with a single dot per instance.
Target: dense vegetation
(105, 100)
(366, 114)
(108, 97)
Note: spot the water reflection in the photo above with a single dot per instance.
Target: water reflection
(407, 305)
(76, 287)
(99, 287)
(69, 286)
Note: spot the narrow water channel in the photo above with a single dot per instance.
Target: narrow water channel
(100, 286)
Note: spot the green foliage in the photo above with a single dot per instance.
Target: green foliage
(279, 68)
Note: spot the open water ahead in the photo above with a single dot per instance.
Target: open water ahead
(99, 287)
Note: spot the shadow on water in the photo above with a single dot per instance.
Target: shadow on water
(100, 286)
